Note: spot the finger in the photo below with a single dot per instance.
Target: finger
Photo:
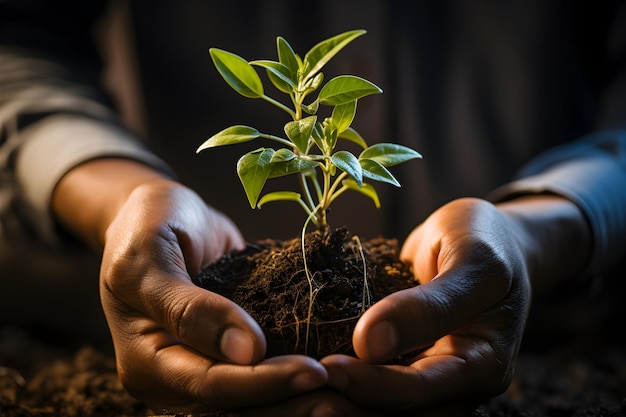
(471, 280)
(202, 246)
(209, 323)
(177, 379)
(162, 291)
(324, 403)
(429, 383)
(422, 252)
(416, 317)
(466, 231)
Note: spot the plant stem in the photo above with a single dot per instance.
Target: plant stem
(280, 106)
(308, 211)
(335, 185)
(307, 192)
(338, 193)
(277, 139)
(325, 201)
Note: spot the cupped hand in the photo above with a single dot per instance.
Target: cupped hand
(180, 348)
(464, 321)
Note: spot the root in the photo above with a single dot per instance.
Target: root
(367, 294)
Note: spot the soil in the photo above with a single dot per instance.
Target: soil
(41, 378)
(346, 276)
(572, 363)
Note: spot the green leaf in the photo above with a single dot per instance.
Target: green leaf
(365, 189)
(311, 108)
(230, 136)
(278, 74)
(312, 84)
(321, 53)
(279, 83)
(343, 115)
(349, 164)
(278, 196)
(253, 169)
(238, 73)
(330, 136)
(283, 155)
(287, 56)
(353, 136)
(316, 81)
(280, 169)
(299, 132)
(389, 154)
(375, 171)
(346, 88)
(318, 135)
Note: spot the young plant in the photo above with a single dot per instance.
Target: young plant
(309, 144)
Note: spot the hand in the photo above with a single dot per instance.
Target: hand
(179, 348)
(466, 317)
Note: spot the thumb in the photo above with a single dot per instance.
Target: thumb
(214, 326)
(415, 318)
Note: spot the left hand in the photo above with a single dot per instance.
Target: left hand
(466, 318)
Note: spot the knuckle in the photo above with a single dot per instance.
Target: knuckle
(184, 313)
(491, 376)
(184, 322)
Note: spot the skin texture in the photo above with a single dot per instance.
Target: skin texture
(178, 347)
(183, 349)
(476, 264)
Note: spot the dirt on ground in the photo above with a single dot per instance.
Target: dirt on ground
(39, 378)
(572, 362)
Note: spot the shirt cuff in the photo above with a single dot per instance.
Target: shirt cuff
(597, 184)
(53, 146)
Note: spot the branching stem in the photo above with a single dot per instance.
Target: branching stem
(277, 139)
(280, 106)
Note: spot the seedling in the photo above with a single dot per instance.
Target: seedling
(309, 144)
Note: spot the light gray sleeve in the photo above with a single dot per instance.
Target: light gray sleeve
(71, 124)
(591, 172)
(55, 145)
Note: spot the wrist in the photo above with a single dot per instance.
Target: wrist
(87, 198)
(553, 234)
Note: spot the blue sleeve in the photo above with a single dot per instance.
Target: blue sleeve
(591, 172)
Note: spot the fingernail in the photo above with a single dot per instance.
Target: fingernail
(383, 340)
(237, 346)
(304, 381)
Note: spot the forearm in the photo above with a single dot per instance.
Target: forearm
(591, 173)
(554, 236)
(88, 197)
(54, 114)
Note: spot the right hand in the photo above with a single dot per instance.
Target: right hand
(181, 348)
(465, 319)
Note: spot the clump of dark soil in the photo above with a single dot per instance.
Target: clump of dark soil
(346, 276)
(43, 379)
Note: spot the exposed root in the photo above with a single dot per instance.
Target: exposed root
(308, 297)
